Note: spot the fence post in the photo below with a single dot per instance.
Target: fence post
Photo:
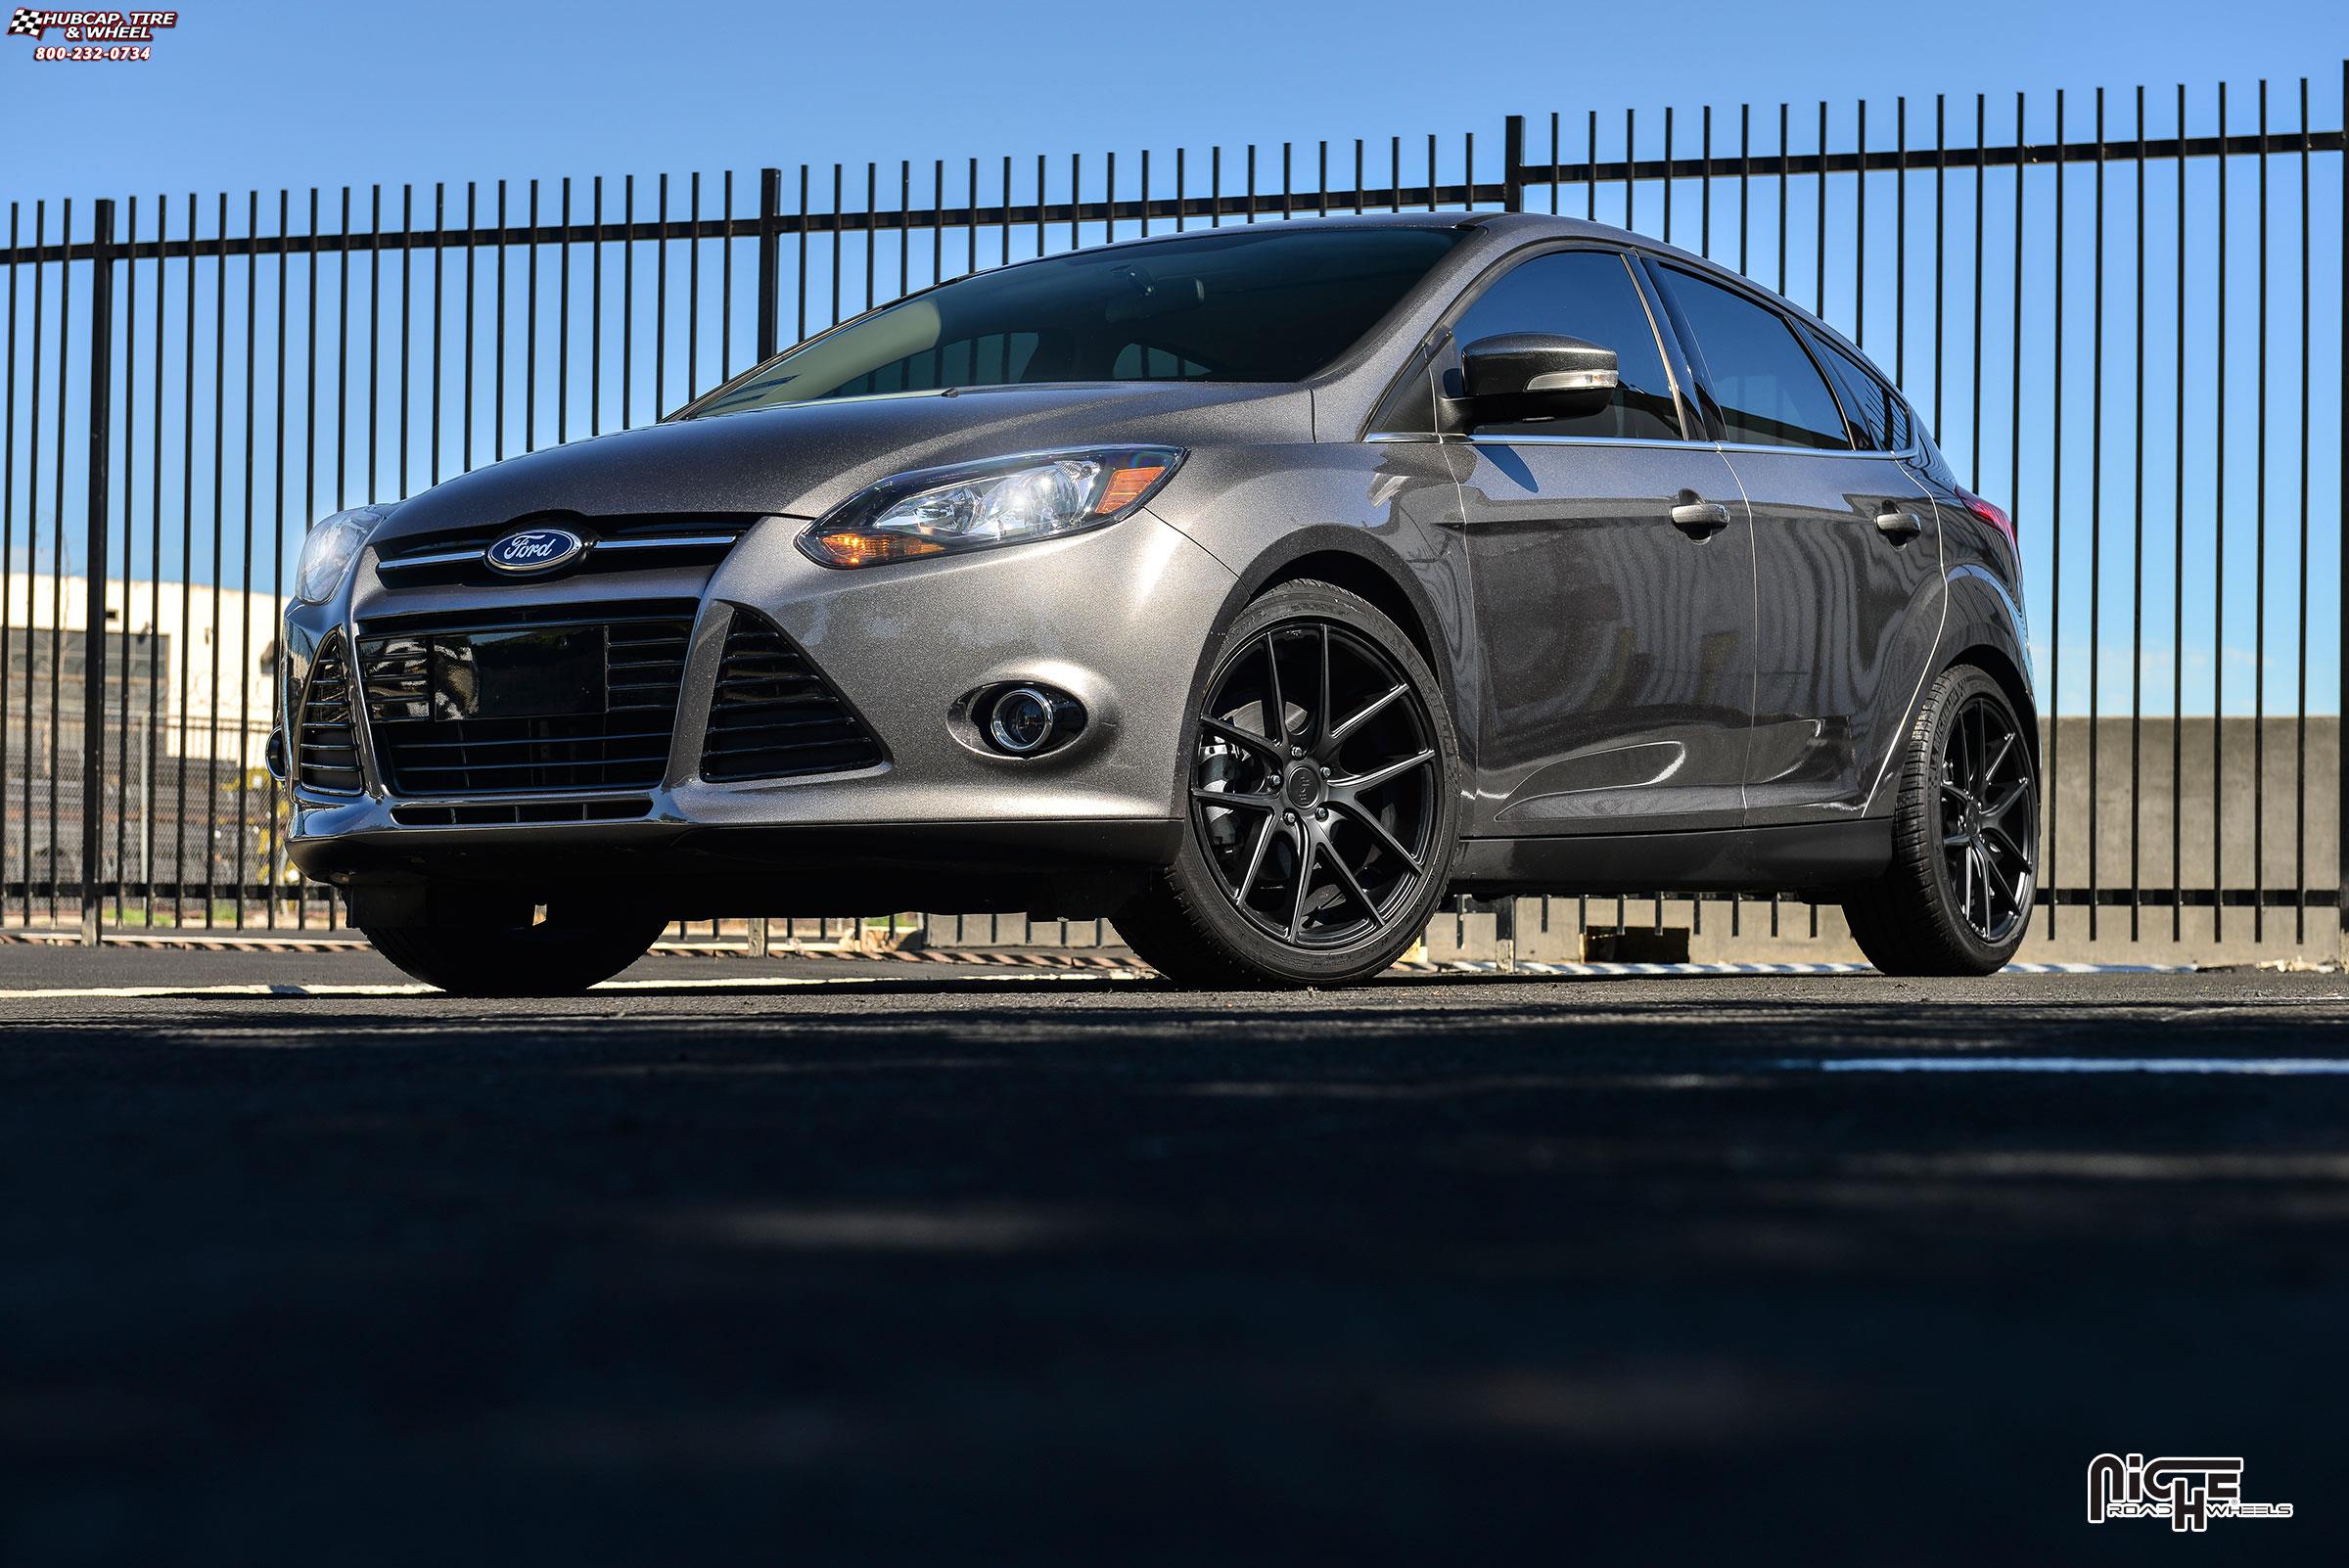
(1513, 163)
(92, 690)
(770, 208)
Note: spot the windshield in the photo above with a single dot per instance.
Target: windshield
(1251, 305)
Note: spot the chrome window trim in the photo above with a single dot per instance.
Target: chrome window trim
(1580, 440)
(1541, 441)
(1910, 455)
(1913, 454)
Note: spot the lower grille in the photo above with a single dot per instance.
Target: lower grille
(326, 749)
(426, 744)
(622, 808)
(774, 715)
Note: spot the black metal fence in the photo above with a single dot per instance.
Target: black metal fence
(189, 384)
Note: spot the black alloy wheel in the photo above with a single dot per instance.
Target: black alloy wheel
(1313, 784)
(1318, 785)
(1988, 821)
(1958, 896)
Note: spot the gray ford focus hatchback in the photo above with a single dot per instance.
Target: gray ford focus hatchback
(1253, 588)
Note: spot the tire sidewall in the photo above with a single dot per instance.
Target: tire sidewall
(1192, 870)
(1957, 689)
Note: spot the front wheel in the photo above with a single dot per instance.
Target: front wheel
(559, 955)
(1957, 896)
(1320, 791)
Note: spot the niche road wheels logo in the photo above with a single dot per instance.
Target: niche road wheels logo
(2187, 1493)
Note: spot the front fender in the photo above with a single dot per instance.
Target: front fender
(1380, 518)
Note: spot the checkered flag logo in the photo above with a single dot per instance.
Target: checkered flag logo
(27, 24)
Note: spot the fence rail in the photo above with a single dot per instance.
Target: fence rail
(189, 382)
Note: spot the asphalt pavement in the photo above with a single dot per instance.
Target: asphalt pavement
(814, 1262)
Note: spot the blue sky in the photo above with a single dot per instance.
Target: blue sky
(257, 94)
(244, 97)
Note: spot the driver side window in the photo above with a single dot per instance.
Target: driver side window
(1588, 294)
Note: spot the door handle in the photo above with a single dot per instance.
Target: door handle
(1899, 525)
(1699, 519)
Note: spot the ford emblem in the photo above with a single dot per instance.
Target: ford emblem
(535, 550)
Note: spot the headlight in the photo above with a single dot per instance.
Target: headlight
(327, 554)
(978, 506)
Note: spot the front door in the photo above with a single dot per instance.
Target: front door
(1611, 560)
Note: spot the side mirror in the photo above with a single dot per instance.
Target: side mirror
(1529, 374)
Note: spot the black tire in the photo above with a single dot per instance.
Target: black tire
(561, 955)
(1956, 898)
(1341, 793)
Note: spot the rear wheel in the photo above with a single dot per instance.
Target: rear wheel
(559, 955)
(1321, 803)
(1956, 898)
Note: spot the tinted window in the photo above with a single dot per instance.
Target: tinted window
(1770, 394)
(988, 361)
(1588, 294)
(1256, 306)
(1875, 408)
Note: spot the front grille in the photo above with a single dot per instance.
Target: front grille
(774, 715)
(453, 556)
(326, 751)
(624, 746)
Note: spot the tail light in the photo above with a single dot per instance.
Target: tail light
(1990, 514)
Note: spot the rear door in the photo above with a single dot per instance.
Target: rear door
(1846, 549)
(1617, 641)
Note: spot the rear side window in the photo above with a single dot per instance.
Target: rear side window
(1879, 417)
(1588, 294)
(1770, 394)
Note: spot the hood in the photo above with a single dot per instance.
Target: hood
(803, 459)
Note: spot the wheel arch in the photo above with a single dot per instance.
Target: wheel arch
(1349, 559)
(1995, 662)
(1345, 558)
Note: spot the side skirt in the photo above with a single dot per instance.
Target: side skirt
(1808, 856)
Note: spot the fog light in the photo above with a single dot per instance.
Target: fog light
(1023, 722)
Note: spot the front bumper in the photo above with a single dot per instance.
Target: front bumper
(1118, 617)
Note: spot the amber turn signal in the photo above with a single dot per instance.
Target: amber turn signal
(1127, 486)
(847, 548)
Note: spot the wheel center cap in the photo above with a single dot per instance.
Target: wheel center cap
(1303, 788)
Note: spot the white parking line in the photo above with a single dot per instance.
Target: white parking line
(1487, 966)
(417, 989)
(1524, 969)
(2222, 1065)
